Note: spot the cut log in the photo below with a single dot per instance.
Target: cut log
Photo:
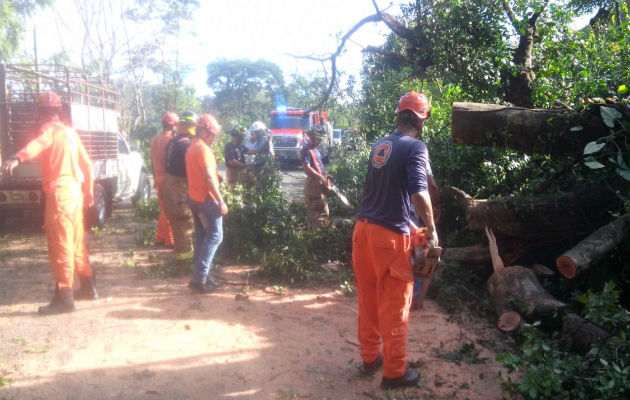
(475, 255)
(517, 289)
(583, 333)
(455, 204)
(509, 321)
(528, 130)
(591, 249)
(543, 219)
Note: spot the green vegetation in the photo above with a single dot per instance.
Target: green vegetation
(550, 370)
(264, 228)
(148, 210)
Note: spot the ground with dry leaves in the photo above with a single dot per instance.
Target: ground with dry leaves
(150, 338)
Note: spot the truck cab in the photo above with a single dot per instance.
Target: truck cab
(288, 126)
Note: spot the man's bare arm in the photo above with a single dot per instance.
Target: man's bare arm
(422, 204)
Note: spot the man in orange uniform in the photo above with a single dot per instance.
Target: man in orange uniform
(66, 173)
(164, 234)
(396, 178)
(206, 203)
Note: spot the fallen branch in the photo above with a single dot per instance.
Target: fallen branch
(591, 249)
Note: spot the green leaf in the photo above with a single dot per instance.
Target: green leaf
(594, 164)
(624, 173)
(609, 115)
(620, 161)
(593, 147)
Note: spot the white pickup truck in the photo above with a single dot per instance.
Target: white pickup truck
(93, 109)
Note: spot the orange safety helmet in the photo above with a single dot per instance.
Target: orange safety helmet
(207, 121)
(170, 118)
(49, 100)
(417, 103)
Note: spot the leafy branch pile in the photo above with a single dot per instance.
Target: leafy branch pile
(262, 227)
(548, 369)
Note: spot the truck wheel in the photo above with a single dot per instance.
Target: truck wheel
(143, 193)
(98, 212)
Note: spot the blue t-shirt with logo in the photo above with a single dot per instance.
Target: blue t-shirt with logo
(397, 169)
(307, 158)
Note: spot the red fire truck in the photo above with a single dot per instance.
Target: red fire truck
(288, 126)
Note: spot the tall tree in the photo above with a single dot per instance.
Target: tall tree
(244, 87)
(12, 14)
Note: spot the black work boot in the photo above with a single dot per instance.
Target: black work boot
(210, 281)
(368, 369)
(410, 378)
(203, 288)
(87, 291)
(62, 302)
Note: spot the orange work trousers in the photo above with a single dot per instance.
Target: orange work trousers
(164, 234)
(63, 221)
(384, 280)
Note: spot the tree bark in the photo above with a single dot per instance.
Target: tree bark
(591, 249)
(583, 334)
(543, 219)
(476, 255)
(516, 289)
(527, 130)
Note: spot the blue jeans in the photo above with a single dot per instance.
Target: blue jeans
(207, 237)
(417, 287)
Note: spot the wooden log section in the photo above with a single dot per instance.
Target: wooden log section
(583, 333)
(475, 255)
(591, 249)
(526, 130)
(544, 219)
(516, 289)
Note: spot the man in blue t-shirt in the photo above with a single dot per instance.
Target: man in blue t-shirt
(396, 179)
(316, 183)
(234, 155)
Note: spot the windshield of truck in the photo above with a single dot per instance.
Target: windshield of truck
(289, 121)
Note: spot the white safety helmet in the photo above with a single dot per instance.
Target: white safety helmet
(258, 127)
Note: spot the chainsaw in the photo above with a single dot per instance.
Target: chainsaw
(425, 255)
(332, 188)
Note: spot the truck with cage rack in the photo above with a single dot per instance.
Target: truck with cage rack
(92, 108)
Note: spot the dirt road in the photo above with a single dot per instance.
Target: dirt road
(150, 338)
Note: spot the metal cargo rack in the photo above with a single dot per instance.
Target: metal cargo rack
(89, 104)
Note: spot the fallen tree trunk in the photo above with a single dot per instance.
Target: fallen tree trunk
(583, 333)
(528, 130)
(516, 289)
(543, 219)
(476, 255)
(591, 249)
(515, 292)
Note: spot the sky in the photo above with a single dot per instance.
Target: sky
(252, 29)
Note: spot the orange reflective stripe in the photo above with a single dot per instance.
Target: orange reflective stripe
(317, 167)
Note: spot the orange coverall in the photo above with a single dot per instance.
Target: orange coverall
(66, 173)
(164, 234)
(385, 270)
